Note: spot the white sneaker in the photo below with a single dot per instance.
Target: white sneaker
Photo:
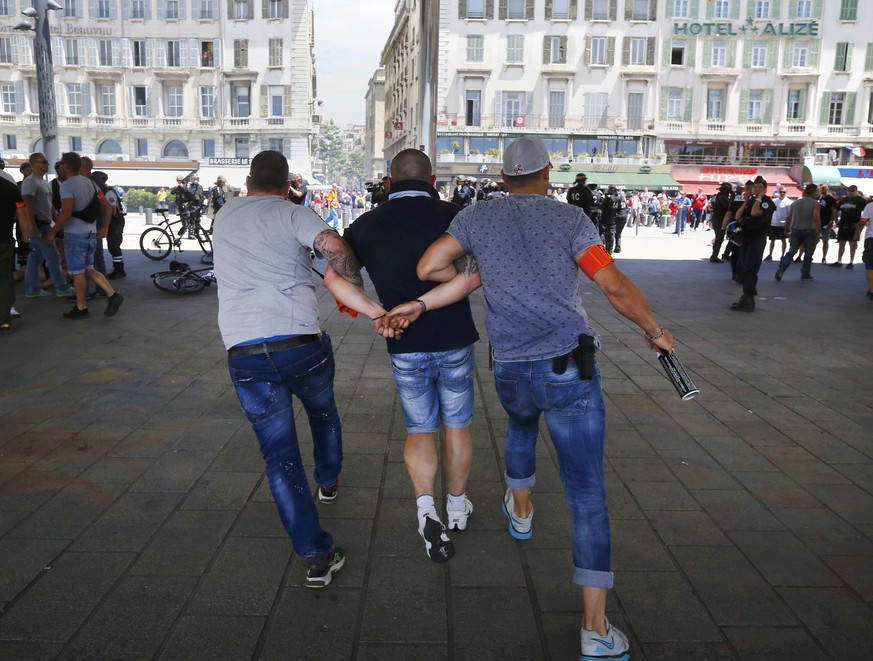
(13, 312)
(519, 527)
(458, 518)
(437, 545)
(613, 645)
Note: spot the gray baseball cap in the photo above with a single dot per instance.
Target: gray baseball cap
(525, 155)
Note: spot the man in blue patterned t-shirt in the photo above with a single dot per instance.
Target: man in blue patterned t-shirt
(539, 330)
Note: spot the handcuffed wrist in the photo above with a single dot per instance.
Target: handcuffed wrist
(423, 306)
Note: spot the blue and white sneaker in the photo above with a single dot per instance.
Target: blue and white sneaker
(613, 645)
(519, 527)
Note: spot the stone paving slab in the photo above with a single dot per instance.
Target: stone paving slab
(135, 521)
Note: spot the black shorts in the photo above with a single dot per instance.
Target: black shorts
(846, 233)
(776, 232)
(867, 258)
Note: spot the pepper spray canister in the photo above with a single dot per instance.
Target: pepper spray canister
(677, 375)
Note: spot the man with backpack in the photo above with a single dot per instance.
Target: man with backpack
(82, 203)
(115, 234)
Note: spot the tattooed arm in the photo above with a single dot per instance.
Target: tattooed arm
(330, 245)
(467, 280)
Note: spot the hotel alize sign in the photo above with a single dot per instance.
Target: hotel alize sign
(750, 27)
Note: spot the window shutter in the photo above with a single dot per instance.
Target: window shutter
(774, 10)
(194, 58)
(574, 9)
(149, 53)
(125, 9)
(195, 10)
(529, 10)
(86, 99)
(498, 107)
(768, 106)
(528, 104)
(610, 50)
(691, 52)
(772, 53)
(710, 9)
(688, 100)
(849, 47)
(565, 57)
(693, 8)
(707, 52)
(788, 54)
(849, 115)
(286, 101)
(665, 97)
(92, 9)
(264, 9)
(653, 10)
(589, 9)
(549, 14)
(587, 50)
(814, 52)
(816, 10)
(625, 51)
(668, 51)
(744, 107)
(802, 105)
(670, 9)
(284, 8)
(825, 107)
(127, 56)
(59, 55)
(92, 53)
(489, 9)
(162, 9)
(735, 10)
(792, 11)
(230, 9)
(747, 54)
(868, 61)
(264, 93)
(732, 53)
(115, 52)
(131, 99)
(502, 10)
(628, 10)
(113, 9)
(182, 10)
(613, 9)
(19, 98)
(547, 50)
(216, 52)
(161, 60)
(750, 13)
(650, 50)
(462, 9)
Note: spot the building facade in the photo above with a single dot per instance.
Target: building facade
(374, 136)
(730, 85)
(153, 80)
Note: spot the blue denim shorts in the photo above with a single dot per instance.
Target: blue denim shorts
(435, 389)
(80, 249)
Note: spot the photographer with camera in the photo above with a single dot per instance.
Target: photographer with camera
(754, 217)
(379, 192)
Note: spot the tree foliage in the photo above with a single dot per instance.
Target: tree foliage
(330, 151)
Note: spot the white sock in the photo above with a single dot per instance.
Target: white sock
(425, 503)
(456, 502)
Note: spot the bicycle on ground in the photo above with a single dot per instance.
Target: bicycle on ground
(181, 279)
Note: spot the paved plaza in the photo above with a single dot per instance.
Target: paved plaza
(136, 523)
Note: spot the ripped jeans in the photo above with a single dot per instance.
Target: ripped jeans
(265, 383)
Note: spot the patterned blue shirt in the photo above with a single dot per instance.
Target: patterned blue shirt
(526, 246)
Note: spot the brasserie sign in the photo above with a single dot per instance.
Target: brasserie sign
(750, 27)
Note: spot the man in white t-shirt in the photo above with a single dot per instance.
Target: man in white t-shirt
(867, 257)
(777, 222)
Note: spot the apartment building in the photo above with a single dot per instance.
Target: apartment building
(374, 137)
(732, 85)
(166, 80)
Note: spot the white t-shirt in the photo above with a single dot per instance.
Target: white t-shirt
(867, 214)
(778, 219)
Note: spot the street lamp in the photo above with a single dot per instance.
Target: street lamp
(42, 55)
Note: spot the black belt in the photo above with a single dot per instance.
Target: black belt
(40, 222)
(263, 347)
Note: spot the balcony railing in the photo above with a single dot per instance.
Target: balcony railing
(522, 122)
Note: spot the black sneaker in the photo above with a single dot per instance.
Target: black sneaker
(835, 265)
(320, 568)
(437, 545)
(807, 277)
(76, 313)
(328, 494)
(113, 304)
(779, 273)
(850, 266)
(715, 260)
(117, 274)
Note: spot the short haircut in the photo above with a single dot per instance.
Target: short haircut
(25, 166)
(810, 189)
(35, 156)
(72, 161)
(87, 162)
(525, 179)
(411, 164)
(269, 171)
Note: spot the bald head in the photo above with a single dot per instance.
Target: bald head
(412, 164)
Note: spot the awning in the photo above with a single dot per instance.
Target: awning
(822, 174)
(627, 180)
(145, 177)
(709, 177)
(865, 185)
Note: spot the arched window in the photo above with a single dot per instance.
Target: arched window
(176, 149)
(109, 147)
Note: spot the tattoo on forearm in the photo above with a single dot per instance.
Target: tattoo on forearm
(330, 245)
(467, 264)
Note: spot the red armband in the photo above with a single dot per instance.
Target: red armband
(19, 205)
(100, 195)
(594, 259)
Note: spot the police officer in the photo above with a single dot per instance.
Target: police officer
(608, 215)
(619, 203)
(579, 195)
(482, 193)
(463, 194)
(754, 214)
(721, 204)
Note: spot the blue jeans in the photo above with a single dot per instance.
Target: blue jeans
(435, 389)
(805, 238)
(39, 251)
(332, 218)
(265, 384)
(681, 215)
(576, 418)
